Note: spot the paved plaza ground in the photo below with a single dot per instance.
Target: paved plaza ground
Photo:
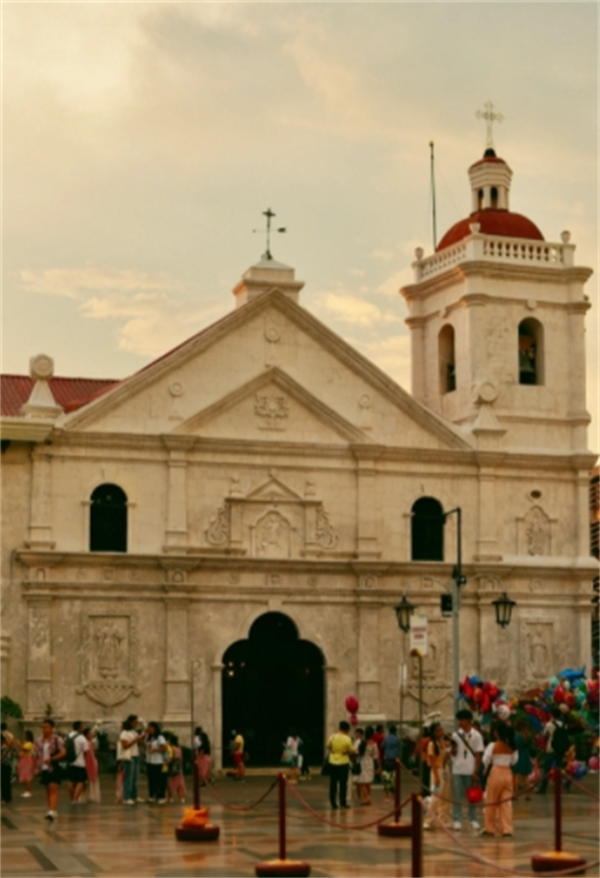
(116, 840)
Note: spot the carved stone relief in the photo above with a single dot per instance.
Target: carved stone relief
(272, 536)
(537, 654)
(109, 649)
(326, 536)
(537, 532)
(272, 411)
(272, 521)
(218, 531)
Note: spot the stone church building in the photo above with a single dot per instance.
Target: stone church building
(228, 530)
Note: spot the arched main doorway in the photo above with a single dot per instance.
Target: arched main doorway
(273, 681)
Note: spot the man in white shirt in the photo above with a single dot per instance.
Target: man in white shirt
(467, 747)
(76, 771)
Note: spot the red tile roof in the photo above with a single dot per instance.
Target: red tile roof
(70, 393)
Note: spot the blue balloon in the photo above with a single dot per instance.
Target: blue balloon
(571, 674)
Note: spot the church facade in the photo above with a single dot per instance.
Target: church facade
(223, 536)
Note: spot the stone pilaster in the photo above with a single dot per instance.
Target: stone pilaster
(40, 510)
(367, 541)
(368, 659)
(487, 520)
(177, 676)
(176, 533)
(39, 659)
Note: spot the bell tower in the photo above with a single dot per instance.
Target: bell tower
(496, 315)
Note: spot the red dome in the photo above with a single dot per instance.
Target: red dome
(492, 222)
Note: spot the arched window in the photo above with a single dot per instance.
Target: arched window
(108, 519)
(480, 200)
(427, 530)
(446, 359)
(531, 351)
(494, 196)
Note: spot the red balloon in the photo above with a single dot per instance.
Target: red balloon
(494, 691)
(351, 704)
(570, 700)
(486, 703)
(354, 719)
(559, 694)
(477, 695)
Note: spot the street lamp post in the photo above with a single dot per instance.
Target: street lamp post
(458, 580)
(404, 611)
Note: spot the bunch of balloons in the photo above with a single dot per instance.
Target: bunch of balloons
(482, 696)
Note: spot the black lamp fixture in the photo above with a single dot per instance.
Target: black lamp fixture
(404, 611)
(504, 607)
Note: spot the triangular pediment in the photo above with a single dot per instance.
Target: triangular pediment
(195, 387)
(272, 407)
(273, 490)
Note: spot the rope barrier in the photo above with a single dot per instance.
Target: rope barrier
(512, 798)
(487, 862)
(580, 786)
(328, 822)
(249, 807)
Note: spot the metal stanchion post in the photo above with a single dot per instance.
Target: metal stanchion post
(282, 866)
(417, 836)
(396, 828)
(195, 826)
(557, 860)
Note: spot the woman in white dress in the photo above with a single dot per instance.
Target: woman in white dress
(367, 755)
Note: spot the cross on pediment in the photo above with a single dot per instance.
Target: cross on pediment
(490, 117)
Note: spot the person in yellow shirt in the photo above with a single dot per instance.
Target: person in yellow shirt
(340, 748)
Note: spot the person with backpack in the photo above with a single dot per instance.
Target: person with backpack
(76, 745)
(557, 744)
(50, 752)
(467, 747)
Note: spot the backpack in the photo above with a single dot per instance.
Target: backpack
(560, 740)
(71, 755)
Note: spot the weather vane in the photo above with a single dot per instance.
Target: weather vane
(269, 215)
(490, 117)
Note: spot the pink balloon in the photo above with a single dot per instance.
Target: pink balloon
(351, 704)
(593, 763)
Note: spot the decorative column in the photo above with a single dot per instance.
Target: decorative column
(176, 533)
(40, 511)
(367, 542)
(177, 676)
(39, 659)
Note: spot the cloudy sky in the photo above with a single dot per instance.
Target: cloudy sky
(142, 141)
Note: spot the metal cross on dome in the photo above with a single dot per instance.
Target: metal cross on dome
(269, 215)
(490, 117)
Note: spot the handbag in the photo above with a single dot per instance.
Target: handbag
(474, 795)
(325, 770)
(356, 767)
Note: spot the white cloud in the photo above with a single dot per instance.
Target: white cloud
(344, 306)
(152, 312)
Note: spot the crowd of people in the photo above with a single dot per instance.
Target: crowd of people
(458, 770)
(53, 758)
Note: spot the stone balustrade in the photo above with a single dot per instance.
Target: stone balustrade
(496, 248)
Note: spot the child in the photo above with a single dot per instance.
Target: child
(91, 767)
(175, 779)
(26, 763)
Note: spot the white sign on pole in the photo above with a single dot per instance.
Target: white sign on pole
(418, 636)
